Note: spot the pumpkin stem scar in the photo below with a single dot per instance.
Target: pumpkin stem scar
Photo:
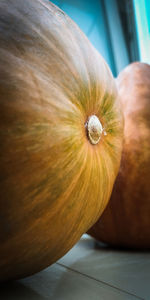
(94, 129)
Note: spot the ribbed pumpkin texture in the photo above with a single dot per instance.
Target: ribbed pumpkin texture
(126, 220)
(60, 135)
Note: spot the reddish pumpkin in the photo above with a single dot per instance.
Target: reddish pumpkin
(126, 220)
(57, 164)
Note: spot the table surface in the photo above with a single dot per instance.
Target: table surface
(90, 270)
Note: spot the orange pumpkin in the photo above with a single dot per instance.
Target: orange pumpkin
(60, 135)
(126, 220)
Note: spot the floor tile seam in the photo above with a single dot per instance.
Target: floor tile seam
(99, 281)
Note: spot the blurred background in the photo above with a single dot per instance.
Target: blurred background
(119, 29)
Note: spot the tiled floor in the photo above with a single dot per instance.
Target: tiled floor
(90, 271)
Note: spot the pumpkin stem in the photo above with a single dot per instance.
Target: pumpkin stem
(94, 129)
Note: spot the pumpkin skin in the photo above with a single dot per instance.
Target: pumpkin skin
(54, 183)
(126, 220)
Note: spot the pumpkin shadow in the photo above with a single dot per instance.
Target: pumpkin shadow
(100, 245)
(89, 242)
(16, 290)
